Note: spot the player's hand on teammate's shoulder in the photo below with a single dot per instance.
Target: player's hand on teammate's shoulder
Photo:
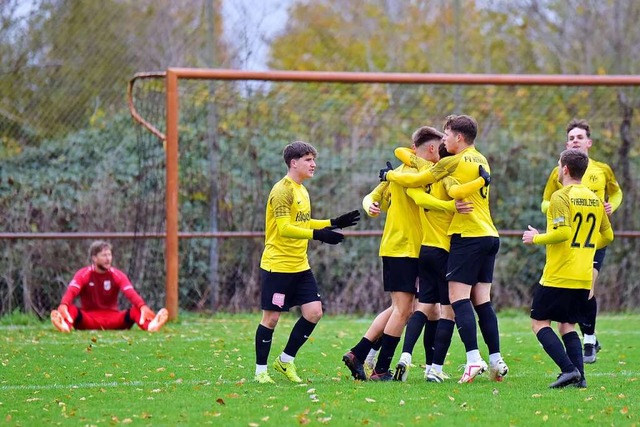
(383, 172)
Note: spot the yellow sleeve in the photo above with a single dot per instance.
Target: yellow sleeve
(411, 180)
(606, 232)
(316, 224)
(286, 229)
(613, 191)
(605, 238)
(551, 187)
(558, 235)
(462, 191)
(407, 156)
(379, 194)
(427, 201)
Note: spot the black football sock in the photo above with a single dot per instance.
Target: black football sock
(553, 346)
(574, 350)
(299, 334)
(361, 350)
(377, 344)
(413, 330)
(442, 341)
(588, 327)
(389, 345)
(264, 337)
(466, 323)
(488, 322)
(429, 339)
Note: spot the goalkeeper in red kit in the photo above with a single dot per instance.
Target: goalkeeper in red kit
(98, 286)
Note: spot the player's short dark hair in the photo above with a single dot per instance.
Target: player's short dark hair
(296, 150)
(579, 123)
(442, 151)
(97, 247)
(576, 162)
(425, 134)
(464, 125)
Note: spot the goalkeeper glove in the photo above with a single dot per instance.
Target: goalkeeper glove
(383, 172)
(485, 175)
(64, 311)
(326, 235)
(146, 315)
(346, 220)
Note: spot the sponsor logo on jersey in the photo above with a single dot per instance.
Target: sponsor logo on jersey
(107, 285)
(303, 216)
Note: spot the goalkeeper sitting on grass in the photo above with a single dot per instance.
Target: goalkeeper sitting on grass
(98, 286)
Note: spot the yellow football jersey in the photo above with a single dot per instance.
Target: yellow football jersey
(569, 263)
(288, 228)
(463, 168)
(402, 231)
(598, 178)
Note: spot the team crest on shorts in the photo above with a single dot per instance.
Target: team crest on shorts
(107, 285)
(278, 300)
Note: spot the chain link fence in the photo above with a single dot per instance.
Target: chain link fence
(74, 161)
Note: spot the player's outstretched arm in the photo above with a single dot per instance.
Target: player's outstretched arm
(327, 235)
(462, 191)
(348, 219)
(427, 201)
(407, 156)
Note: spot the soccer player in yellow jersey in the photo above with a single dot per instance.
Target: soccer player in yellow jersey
(577, 225)
(600, 179)
(399, 250)
(474, 245)
(285, 276)
(433, 310)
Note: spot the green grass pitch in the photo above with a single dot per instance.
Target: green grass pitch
(199, 371)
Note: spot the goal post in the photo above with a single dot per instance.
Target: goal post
(174, 76)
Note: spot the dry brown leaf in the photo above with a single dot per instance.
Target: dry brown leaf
(220, 401)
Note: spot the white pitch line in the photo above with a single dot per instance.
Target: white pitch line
(109, 384)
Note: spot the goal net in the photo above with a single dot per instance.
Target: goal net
(230, 129)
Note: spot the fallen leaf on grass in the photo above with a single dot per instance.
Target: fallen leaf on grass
(220, 401)
(624, 410)
(369, 400)
(536, 395)
(451, 398)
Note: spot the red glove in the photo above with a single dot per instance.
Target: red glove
(64, 311)
(146, 314)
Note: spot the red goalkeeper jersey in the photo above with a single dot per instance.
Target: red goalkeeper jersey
(99, 291)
